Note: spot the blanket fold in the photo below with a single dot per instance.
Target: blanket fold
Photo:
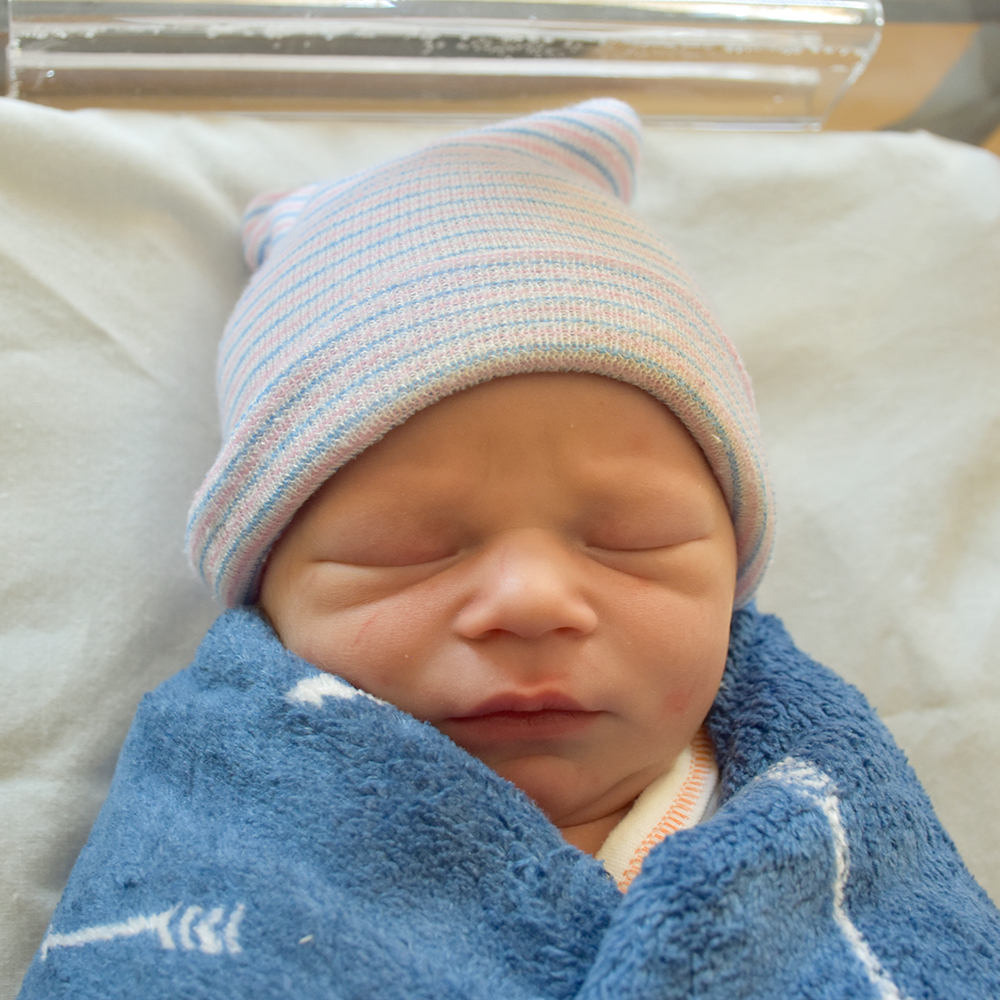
(273, 832)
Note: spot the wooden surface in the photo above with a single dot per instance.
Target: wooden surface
(909, 64)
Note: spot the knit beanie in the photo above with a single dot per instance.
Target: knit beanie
(500, 251)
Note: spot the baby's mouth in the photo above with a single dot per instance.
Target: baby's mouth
(517, 718)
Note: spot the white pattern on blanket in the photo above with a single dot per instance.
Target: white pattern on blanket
(818, 787)
(214, 932)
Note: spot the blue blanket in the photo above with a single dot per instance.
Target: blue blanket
(273, 832)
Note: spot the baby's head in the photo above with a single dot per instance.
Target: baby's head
(489, 458)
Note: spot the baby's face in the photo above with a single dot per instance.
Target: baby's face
(542, 567)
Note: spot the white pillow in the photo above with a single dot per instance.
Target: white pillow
(857, 273)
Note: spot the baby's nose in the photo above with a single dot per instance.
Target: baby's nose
(528, 583)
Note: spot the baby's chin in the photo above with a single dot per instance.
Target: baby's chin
(572, 794)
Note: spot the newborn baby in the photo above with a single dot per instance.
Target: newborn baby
(492, 713)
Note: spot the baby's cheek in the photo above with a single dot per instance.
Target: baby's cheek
(678, 701)
(350, 644)
(378, 646)
(332, 638)
(679, 647)
(692, 696)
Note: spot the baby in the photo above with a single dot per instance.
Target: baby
(492, 713)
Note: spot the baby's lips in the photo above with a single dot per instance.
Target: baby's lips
(524, 703)
(514, 717)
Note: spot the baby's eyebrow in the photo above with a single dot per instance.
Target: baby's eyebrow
(639, 487)
(390, 516)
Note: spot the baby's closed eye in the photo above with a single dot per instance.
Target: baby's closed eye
(388, 545)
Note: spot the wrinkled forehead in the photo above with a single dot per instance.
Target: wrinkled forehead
(541, 403)
(559, 426)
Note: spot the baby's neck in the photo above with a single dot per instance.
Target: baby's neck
(589, 837)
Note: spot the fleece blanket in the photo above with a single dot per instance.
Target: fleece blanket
(273, 832)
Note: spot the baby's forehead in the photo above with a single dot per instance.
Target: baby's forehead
(531, 410)
(576, 432)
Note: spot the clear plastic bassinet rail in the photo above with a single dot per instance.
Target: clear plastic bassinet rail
(723, 63)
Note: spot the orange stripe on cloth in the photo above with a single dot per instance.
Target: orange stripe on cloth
(680, 813)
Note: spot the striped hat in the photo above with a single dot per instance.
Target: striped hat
(499, 251)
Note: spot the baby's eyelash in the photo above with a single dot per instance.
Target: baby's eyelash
(372, 563)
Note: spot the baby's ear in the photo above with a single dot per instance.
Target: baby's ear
(268, 217)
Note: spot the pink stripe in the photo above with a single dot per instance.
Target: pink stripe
(235, 392)
(414, 314)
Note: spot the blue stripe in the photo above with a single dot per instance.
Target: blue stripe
(569, 147)
(548, 198)
(662, 313)
(245, 342)
(574, 120)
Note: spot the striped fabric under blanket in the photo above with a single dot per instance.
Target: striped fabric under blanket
(677, 800)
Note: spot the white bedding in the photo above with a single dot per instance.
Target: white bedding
(859, 275)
